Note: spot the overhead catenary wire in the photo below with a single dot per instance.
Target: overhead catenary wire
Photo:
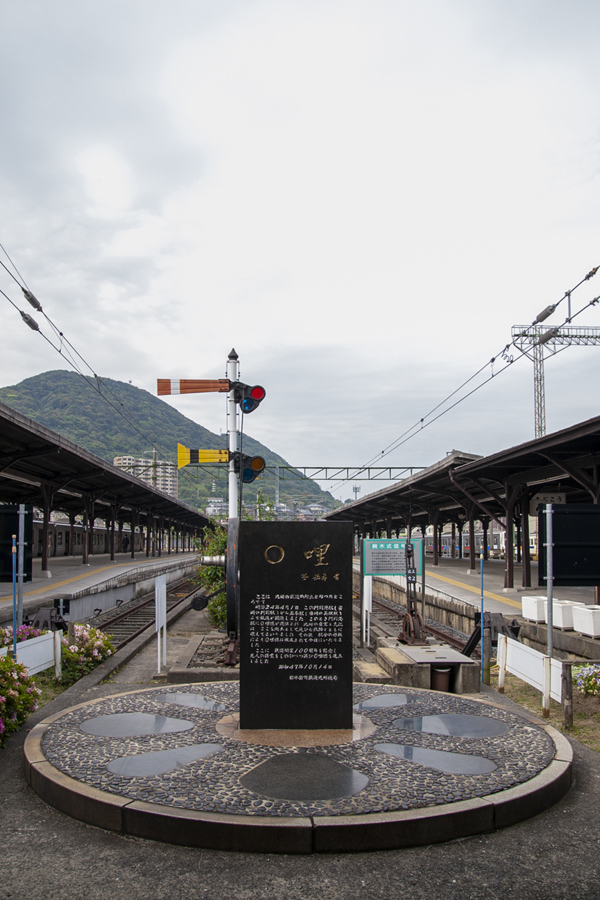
(95, 385)
(14, 267)
(70, 354)
(425, 421)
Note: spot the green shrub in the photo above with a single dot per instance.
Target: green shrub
(87, 650)
(212, 578)
(18, 696)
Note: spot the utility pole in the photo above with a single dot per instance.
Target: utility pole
(233, 374)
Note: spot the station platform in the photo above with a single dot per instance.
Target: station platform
(68, 577)
(420, 767)
(453, 577)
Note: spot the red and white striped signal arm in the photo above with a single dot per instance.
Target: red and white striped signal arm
(192, 386)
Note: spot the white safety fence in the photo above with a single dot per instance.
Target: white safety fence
(531, 666)
(40, 653)
(553, 677)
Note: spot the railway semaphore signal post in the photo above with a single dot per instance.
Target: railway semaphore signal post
(243, 400)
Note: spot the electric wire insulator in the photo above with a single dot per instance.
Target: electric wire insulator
(552, 332)
(545, 313)
(31, 298)
(29, 321)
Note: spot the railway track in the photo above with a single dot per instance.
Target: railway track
(387, 618)
(138, 615)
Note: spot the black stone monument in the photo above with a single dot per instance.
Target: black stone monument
(295, 625)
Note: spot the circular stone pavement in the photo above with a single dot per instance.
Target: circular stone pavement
(419, 767)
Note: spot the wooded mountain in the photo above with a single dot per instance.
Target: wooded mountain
(111, 418)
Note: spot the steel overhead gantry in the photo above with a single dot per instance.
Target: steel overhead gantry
(350, 473)
(534, 340)
(531, 340)
(335, 473)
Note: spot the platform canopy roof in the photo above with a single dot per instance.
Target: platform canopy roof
(40, 467)
(463, 485)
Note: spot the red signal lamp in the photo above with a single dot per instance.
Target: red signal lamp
(248, 396)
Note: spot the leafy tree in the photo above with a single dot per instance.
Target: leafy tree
(265, 509)
(212, 578)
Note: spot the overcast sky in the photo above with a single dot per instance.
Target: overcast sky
(361, 197)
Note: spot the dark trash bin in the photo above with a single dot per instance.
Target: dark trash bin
(440, 678)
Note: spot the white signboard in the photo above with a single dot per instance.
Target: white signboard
(543, 498)
(160, 602)
(160, 599)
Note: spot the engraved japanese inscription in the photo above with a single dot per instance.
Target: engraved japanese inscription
(295, 625)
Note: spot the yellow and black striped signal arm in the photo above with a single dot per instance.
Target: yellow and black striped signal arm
(187, 457)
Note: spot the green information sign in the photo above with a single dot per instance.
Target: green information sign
(388, 557)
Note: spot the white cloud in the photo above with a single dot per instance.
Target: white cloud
(362, 199)
(107, 180)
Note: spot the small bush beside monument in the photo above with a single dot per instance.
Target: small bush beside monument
(87, 650)
(18, 696)
(19, 692)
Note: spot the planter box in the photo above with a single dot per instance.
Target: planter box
(534, 608)
(586, 620)
(562, 613)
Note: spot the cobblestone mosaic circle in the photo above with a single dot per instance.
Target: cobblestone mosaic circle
(228, 778)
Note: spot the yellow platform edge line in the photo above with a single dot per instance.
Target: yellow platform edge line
(475, 590)
(93, 571)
